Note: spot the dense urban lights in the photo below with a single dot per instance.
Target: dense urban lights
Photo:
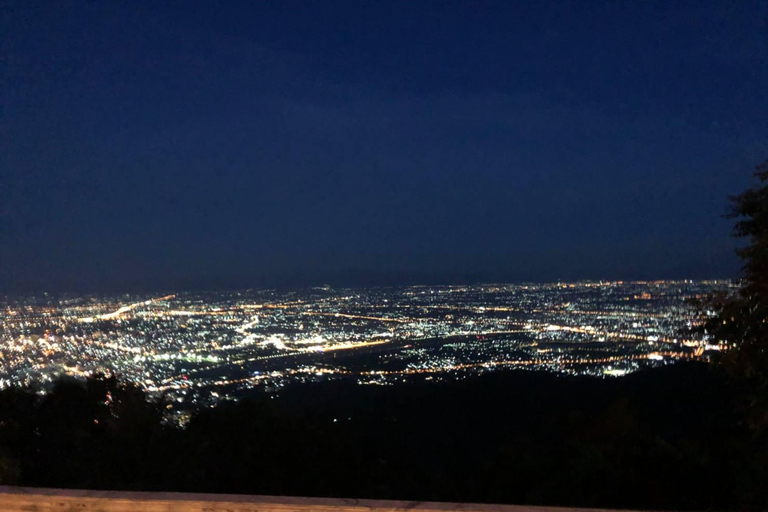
(200, 348)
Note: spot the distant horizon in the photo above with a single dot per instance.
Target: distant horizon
(147, 290)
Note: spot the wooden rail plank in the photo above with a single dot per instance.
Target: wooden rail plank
(25, 499)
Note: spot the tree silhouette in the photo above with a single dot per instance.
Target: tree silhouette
(17, 414)
(651, 440)
(741, 320)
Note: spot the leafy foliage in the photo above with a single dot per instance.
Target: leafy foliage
(82, 434)
(742, 320)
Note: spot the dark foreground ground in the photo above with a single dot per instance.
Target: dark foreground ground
(660, 439)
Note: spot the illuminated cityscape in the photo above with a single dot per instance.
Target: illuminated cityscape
(200, 348)
(451, 254)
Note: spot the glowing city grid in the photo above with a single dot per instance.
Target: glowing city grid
(202, 348)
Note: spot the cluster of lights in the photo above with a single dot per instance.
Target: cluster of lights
(207, 347)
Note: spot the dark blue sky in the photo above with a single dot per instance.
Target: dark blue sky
(196, 144)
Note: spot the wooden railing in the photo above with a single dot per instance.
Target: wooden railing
(26, 499)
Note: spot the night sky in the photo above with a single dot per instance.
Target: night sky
(147, 145)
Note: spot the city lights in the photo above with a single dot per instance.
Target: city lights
(201, 348)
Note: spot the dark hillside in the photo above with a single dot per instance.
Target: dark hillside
(660, 439)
